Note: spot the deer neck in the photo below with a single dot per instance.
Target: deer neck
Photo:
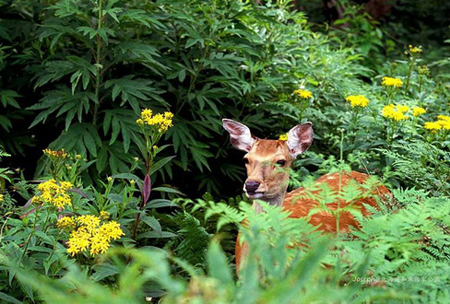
(276, 201)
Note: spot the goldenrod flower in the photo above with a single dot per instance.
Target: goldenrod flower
(305, 94)
(53, 193)
(444, 117)
(90, 222)
(392, 82)
(396, 113)
(55, 154)
(402, 108)
(79, 241)
(111, 230)
(67, 222)
(443, 123)
(415, 49)
(92, 235)
(417, 111)
(99, 244)
(104, 215)
(432, 126)
(283, 137)
(357, 101)
(162, 121)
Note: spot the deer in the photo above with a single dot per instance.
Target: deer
(267, 162)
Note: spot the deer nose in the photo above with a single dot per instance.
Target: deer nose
(251, 186)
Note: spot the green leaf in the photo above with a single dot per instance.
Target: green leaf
(155, 235)
(218, 266)
(159, 164)
(128, 176)
(153, 223)
(103, 271)
(160, 203)
(168, 190)
(9, 298)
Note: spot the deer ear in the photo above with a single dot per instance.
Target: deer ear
(240, 135)
(300, 138)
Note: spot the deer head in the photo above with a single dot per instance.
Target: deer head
(267, 161)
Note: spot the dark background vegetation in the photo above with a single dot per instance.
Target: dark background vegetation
(379, 29)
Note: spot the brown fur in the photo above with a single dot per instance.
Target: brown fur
(299, 206)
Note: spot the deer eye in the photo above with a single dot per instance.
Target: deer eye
(246, 161)
(281, 163)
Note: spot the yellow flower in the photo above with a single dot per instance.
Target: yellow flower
(305, 94)
(2, 198)
(417, 111)
(162, 121)
(392, 82)
(283, 137)
(104, 215)
(90, 222)
(65, 185)
(415, 49)
(61, 200)
(402, 108)
(396, 113)
(444, 117)
(53, 193)
(111, 230)
(55, 154)
(92, 235)
(99, 244)
(357, 101)
(432, 126)
(66, 222)
(79, 241)
(445, 124)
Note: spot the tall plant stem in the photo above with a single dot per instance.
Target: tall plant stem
(411, 67)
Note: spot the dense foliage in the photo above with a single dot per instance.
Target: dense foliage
(127, 97)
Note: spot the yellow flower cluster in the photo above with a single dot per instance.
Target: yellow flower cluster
(104, 215)
(417, 111)
(443, 123)
(357, 101)
(395, 112)
(392, 82)
(305, 94)
(283, 137)
(53, 193)
(93, 235)
(415, 49)
(55, 154)
(67, 222)
(162, 121)
(2, 198)
(432, 125)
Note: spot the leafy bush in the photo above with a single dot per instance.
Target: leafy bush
(94, 225)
